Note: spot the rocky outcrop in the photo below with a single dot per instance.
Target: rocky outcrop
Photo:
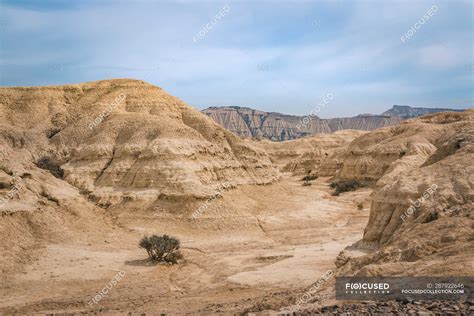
(320, 154)
(248, 122)
(421, 219)
(406, 112)
(437, 185)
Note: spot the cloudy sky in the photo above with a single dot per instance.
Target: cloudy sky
(282, 56)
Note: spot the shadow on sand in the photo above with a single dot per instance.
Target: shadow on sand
(142, 262)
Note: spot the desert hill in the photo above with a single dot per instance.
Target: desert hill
(87, 169)
(114, 143)
(421, 207)
(319, 154)
(128, 135)
(423, 202)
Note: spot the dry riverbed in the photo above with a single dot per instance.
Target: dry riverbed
(259, 240)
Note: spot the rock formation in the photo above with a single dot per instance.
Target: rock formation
(125, 137)
(320, 154)
(81, 165)
(406, 112)
(67, 149)
(248, 122)
(421, 215)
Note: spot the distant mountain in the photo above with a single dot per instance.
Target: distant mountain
(407, 112)
(248, 122)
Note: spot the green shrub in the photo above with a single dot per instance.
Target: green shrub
(310, 177)
(51, 165)
(344, 186)
(162, 248)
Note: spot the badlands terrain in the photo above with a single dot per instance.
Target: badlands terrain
(87, 170)
(247, 122)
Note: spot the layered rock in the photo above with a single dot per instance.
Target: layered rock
(406, 112)
(319, 154)
(74, 158)
(119, 139)
(248, 122)
(421, 217)
(429, 189)
(371, 156)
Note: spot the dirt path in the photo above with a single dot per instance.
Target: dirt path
(252, 242)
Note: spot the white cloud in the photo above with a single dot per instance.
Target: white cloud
(442, 56)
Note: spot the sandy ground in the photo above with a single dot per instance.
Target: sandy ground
(258, 241)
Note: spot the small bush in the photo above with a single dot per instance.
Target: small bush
(344, 186)
(26, 175)
(53, 131)
(310, 177)
(162, 248)
(431, 217)
(51, 165)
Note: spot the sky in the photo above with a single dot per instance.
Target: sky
(279, 56)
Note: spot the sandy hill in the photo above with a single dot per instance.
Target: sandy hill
(318, 154)
(421, 220)
(421, 216)
(421, 213)
(113, 143)
(86, 170)
(129, 135)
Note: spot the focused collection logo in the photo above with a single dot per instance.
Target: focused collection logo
(404, 287)
(367, 288)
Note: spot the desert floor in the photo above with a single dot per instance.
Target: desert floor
(278, 238)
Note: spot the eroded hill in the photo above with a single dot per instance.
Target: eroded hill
(86, 170)
(421, 213)
(114, 144)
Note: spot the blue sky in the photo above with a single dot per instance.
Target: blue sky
(282, 56)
